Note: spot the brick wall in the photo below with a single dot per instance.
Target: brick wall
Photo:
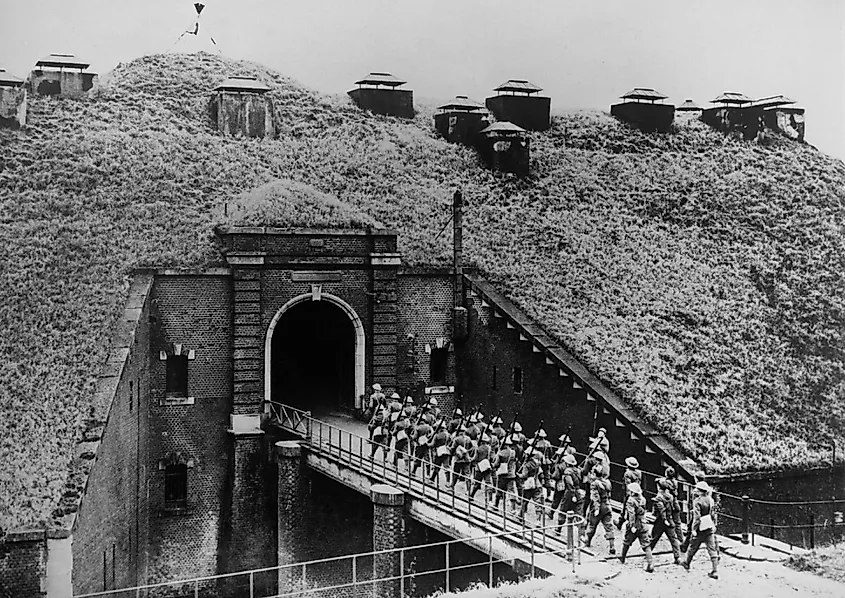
(196, 311)
(496, 342)
(24, 568)
(424, 307)
(110, 530)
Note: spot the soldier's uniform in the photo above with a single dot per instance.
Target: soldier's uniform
(422, 443)
(462, 446)
(704, 528)
(663, 507)
(482, 467)
(496, 429)
(632, 473)
(635, 527)
(573, 494)
(401, 440)
(394, 408)
(378, 430)
(530, 475)
(409, 410)
(504, 464)
(375, 400)
(455, 422)
(441, 454)
(600, 509)
(519, 440)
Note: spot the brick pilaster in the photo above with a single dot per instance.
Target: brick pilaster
(388, 529)
(290, 511)
(248, 391)
(384, 318)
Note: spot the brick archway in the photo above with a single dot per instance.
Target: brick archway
(360, 341)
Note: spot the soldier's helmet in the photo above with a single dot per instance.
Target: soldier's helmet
(517, 427)
(634, 488)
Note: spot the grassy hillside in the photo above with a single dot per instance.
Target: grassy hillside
(700, 276)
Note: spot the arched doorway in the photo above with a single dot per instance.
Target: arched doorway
(314, 358)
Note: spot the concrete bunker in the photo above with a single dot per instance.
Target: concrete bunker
(641, 109)
(378, 93)
(12, 101)
(62, 75)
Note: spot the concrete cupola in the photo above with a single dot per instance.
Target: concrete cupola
(643, 107)
(736, 113)
(62, 75)
(242, 108)
(688, 106)
(460, 120)
(379, 93)
(516, 101)
(505, 146)
(12, 101)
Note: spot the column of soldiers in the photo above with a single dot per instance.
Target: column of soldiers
(515, 471)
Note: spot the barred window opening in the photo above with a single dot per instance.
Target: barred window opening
(177, 376)
(176, 486)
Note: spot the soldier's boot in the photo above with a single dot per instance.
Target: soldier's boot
(714, 561)
(611, 547)
(649, 561)
(625, 548)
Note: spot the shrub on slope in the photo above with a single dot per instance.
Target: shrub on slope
(661, 261)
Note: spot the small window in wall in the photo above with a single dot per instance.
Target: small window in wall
(176, 487)
(517, 380)
(177, 376)
(494, 384)
(439, 359)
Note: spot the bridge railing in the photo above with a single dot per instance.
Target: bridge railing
(406, 571)
(471, 497)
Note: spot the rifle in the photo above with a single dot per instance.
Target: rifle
(564, 445)
(593, 449)
(532, 443)
(513, 423)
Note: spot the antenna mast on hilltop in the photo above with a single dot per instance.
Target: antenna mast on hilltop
(195, 28)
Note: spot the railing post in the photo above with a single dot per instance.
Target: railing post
(251, 584)
(570, 540)
(196, 588)
(812, 531)
(490, 556)
(447, 566)
(746, 517)
(532, 553)
(402, 573)
(354, 573)
(543, 520)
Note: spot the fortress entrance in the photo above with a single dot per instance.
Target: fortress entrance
(314, 355)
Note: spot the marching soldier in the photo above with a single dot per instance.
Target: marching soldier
(519, 440)
(532, 485)
(440, 446)
(505, 466)
(378, 428)
(573, 494)
(409, 410)
(704, 528)
(496, 428)
(482, 467)
(635, 527)
(455, 422)
(671, 482)
(632, 474)
(401, 439)
(461, 447)
(422, 437)
(599, 509)
(434, 409)
(375, 399)
(544, 446)
(663, 508)
(394, 409)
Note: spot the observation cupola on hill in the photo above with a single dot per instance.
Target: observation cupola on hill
(640, 108)
(734, 112)
(241, 107)
(461, 120)
(12, 101)
(61, 75)
(688, 106)
(378, 93)
(516, 102)
(505, 146)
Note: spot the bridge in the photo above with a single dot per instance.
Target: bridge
(338, 446)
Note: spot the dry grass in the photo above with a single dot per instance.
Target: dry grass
(700, 276)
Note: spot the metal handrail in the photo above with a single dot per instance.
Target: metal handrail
(572, 548)
(316, 440)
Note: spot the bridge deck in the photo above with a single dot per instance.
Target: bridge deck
(337, 445)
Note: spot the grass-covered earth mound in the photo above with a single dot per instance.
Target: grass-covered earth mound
(700, 276)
